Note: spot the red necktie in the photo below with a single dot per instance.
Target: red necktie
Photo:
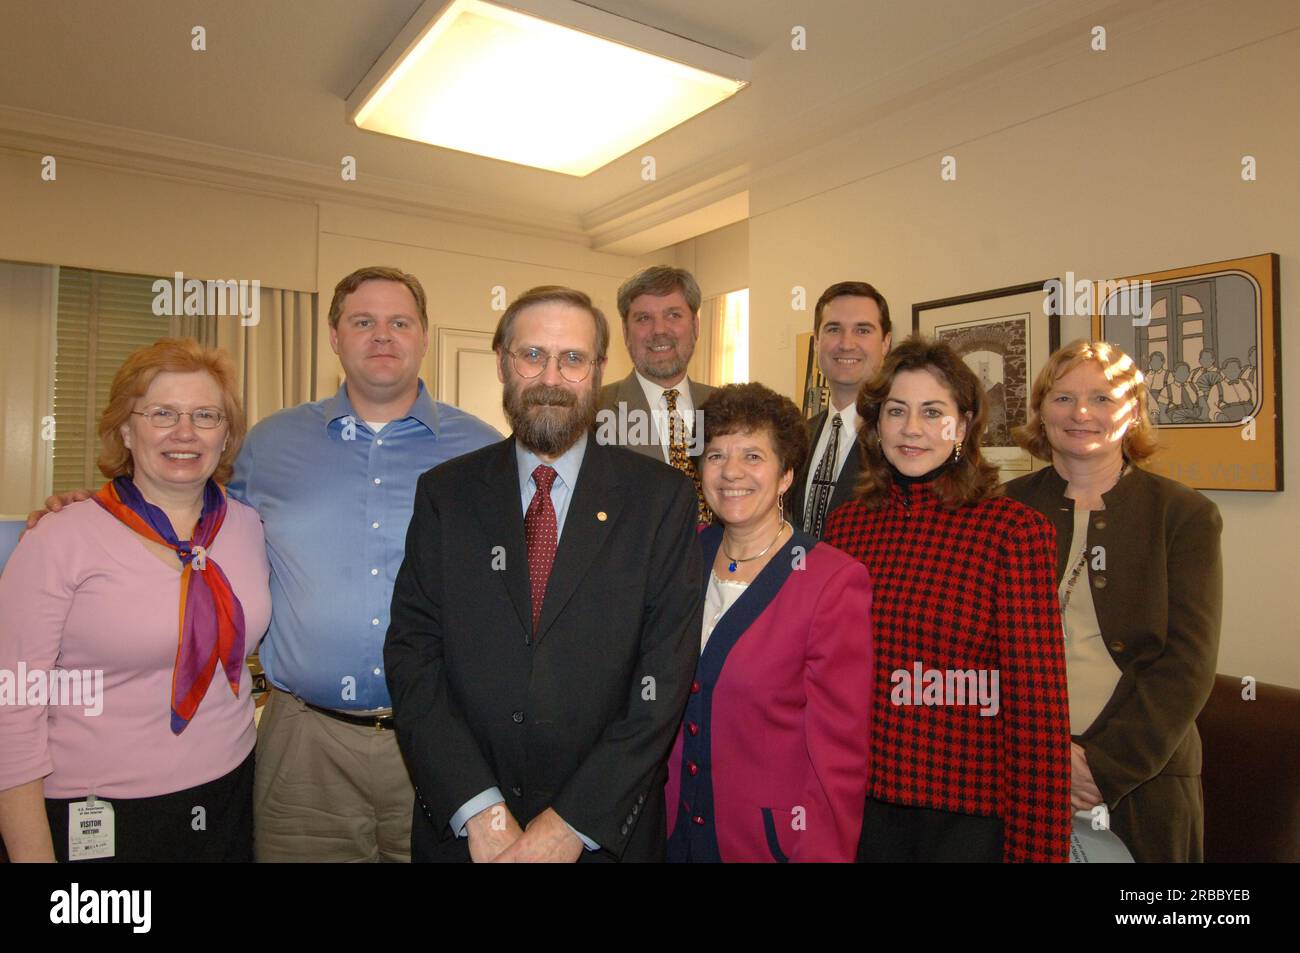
(541, 532)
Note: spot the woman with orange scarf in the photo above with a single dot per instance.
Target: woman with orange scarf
(147, 600)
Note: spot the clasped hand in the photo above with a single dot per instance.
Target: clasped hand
(496, 837)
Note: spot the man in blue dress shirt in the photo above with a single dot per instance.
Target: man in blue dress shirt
(334, 482)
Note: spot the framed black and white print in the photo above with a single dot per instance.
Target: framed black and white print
(1004, 336)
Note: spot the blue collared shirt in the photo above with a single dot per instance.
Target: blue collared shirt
(566, 468)
(335, 499)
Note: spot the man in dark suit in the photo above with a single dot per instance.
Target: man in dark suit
(654, 409)
(852, 333)
(546, 619)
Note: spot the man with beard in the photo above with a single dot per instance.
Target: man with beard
(652, 410)
(546, 619)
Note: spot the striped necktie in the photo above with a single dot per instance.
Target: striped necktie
(814, 519)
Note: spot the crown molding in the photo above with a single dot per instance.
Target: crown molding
(143, 153)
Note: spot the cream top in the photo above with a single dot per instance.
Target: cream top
(1090, 671)
(720, 596)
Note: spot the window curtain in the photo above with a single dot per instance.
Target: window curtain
(729, 338)
(274, 358)
(703, 366)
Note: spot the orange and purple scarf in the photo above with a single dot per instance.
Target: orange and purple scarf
(211, 617)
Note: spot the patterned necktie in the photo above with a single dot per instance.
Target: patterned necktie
(823, 483)
(541, 532)
(678, 457)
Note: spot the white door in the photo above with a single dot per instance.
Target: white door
(467, 375)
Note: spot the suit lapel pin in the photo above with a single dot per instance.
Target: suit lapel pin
(601, 516)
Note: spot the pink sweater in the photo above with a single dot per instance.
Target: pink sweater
(81, 592)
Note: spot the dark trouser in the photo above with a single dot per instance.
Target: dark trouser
(162, 829)
(895, 834)
(1162, 820)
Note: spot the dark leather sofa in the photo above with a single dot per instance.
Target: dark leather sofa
(1251, 773)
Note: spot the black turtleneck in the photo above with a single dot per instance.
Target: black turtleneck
(906, 482)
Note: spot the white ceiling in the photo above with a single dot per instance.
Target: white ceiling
(266, 98)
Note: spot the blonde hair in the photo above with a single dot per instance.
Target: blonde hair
(131, 382)
(1121, 370)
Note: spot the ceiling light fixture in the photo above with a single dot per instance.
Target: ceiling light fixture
(552, 84)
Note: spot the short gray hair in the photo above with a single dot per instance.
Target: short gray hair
(659, 280)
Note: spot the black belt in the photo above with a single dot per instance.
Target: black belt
(378, 722)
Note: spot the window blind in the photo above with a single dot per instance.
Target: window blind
(102, 318)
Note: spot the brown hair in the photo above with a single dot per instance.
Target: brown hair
(659, 280)
(377, 273)
(852, 289)
(966, 481)
(1139, 441)
(753, 408)
(542, 294)
(131, 382)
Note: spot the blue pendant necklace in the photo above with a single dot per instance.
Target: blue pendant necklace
(731, 566)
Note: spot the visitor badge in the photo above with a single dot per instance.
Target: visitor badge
(90, 829)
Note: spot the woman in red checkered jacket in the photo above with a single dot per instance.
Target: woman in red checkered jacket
(970, 746)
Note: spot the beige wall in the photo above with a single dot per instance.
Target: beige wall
(460, 266)
(719, 260)
(1143, 177)
(111, 220)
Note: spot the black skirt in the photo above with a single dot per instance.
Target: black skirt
(895, 834)
(167, 829)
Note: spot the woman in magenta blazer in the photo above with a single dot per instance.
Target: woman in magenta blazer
(771, 761)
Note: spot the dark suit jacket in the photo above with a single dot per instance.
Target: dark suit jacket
(629, 392)
(1159, 603)
(581, 716)
(844, 485)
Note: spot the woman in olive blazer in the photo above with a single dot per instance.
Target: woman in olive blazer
(1145, 549)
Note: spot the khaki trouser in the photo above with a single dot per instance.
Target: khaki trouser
(328, 791)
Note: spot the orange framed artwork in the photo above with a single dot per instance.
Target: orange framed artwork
(1207, 338)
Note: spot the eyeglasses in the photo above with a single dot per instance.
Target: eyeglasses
(530, 362)
(205, 418)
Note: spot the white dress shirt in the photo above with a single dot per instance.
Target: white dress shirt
(654, 396)
(852, 423)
